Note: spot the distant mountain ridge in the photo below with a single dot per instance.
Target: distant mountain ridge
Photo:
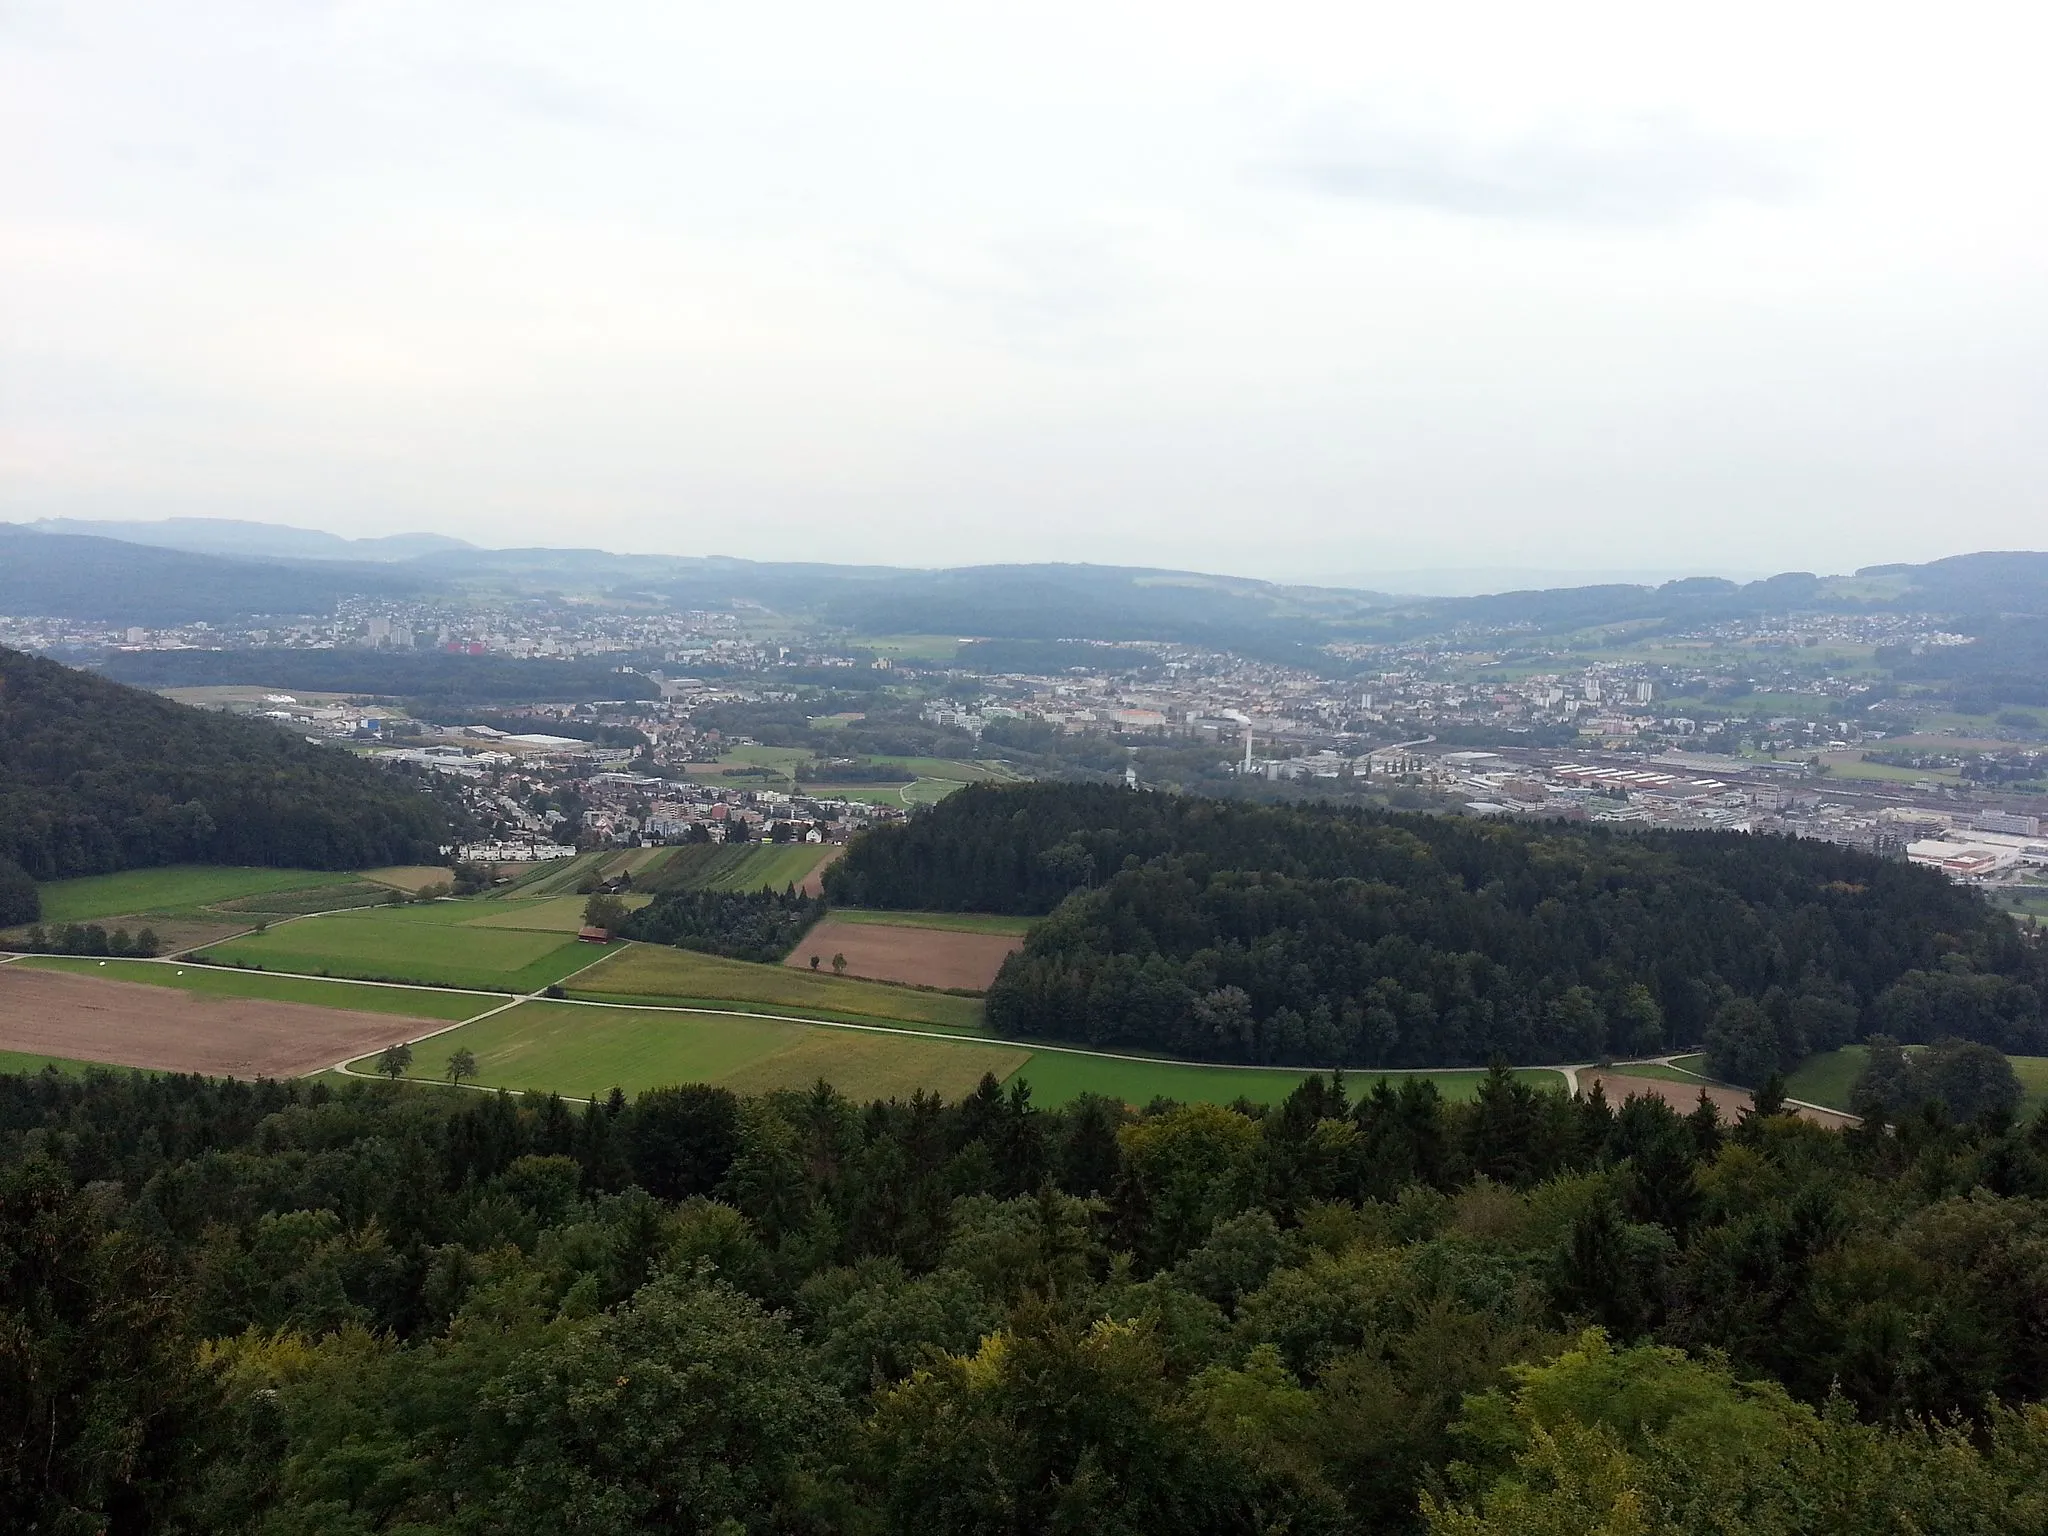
(240, 539)
(110, 578)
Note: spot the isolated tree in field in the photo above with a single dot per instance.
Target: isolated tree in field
(460, 1065)
(395, 1060)
(839, 965)
(814, 962)
(603, 911)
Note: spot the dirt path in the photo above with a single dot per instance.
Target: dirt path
(814, 882)
(83, 1018)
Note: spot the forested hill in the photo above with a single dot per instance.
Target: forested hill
(96, 777)
(1314, 935)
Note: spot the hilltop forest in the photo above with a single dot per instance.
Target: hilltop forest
(97, 777)
(1315, 935)
(281, 1309)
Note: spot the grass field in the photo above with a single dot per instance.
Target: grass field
(655, 972)
(1056, 1077)
(548, 914)
(1828, 1077)
(583, 1051)
(414, 943)
(22, 1062)
(418, 1002)
(952, 922)
(172, 888)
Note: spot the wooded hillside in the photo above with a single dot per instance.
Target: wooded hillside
(1308, 934)
(97, 777)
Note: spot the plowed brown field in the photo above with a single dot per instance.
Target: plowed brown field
(920, 957)
(1682, 1097)
(49, 1013)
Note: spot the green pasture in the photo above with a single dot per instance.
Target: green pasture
(169, 888)
(582, 1051)
(548, 914)
(951, 922)
(21, 1062)
(1057, 1076)
(948, 768)
(909, 647)
(218, 981)
(1826, 1078)
(657, 973)
(412, 943)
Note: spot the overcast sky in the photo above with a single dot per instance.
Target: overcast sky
(1301, 291)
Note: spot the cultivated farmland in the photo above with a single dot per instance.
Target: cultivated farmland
(737, 866)
(221, 981)
(82, 1018)
(413, 943)
(171, 888)
(656, 973)
(918, 957)
(583, 1051)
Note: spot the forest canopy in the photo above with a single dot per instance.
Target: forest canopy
(97, 777)
(282, 1308)
(1319, 935)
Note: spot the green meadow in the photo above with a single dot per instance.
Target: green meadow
(426, 943)
(658, 974)
(582, 1051)
(170, 888)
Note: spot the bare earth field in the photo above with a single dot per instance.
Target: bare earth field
(172, 933)
(1684, 1096)
(920, 957)
(126, 1024)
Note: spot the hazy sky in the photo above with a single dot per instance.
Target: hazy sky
(1304, 291)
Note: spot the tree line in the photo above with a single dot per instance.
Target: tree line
(759, 925)
(1314, 934)
(97, 777)
(282, 1307)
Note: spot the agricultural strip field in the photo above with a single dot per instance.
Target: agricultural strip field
(657, 974)
(414, 943)
(557, 878)
(957, 922)
(581, 1051)
(410, 878)
(82, 1018)
(738, 866)
(550, 914)
(919, 957)
(172, 888)
(220, 981)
